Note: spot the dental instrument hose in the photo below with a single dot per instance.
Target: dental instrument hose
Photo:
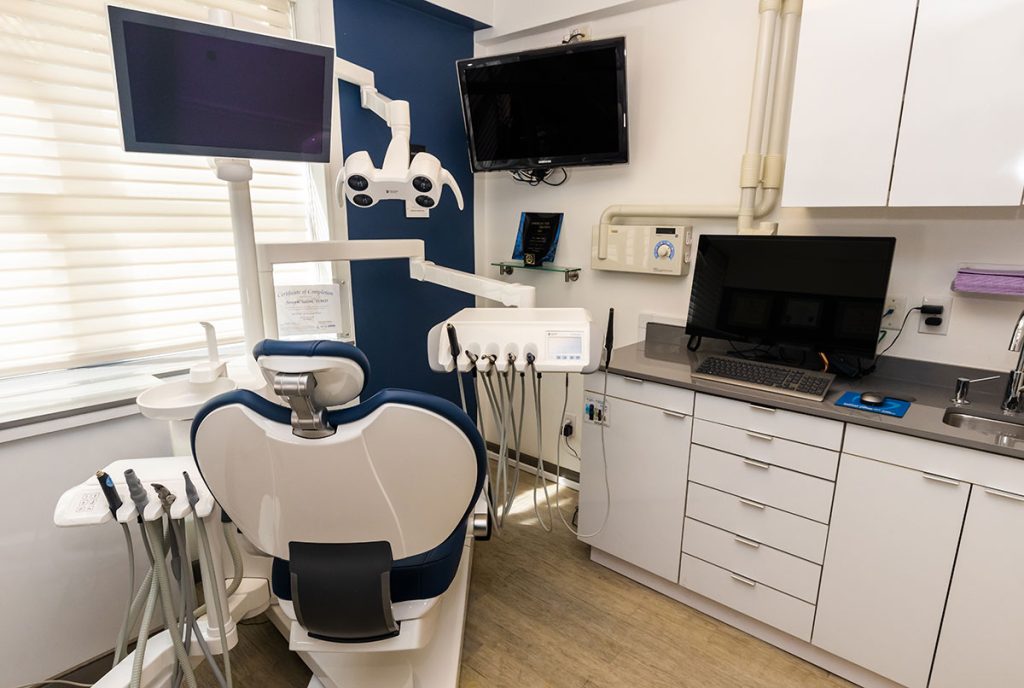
(114, 503)
(453, 344)
(538, 476)
(166, 597)
(189, 601)
(193, 498)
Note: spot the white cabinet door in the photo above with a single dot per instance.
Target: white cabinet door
(980, 642)
(888, 563)
(961, 139)
(648, 451)
(850, 74)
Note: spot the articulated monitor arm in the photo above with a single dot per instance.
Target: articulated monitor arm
(418, 181)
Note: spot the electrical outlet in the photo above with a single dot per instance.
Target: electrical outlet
(595, 409)
(898, 306)
(577, 33)
(571, 419)
(947, 310)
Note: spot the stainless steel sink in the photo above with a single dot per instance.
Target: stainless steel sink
(1006, 429)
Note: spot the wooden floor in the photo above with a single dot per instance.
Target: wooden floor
(541, 614)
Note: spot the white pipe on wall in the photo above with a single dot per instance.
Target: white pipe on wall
(757, 171)
(750, 167)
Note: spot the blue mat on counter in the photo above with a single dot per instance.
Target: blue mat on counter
(891, 407)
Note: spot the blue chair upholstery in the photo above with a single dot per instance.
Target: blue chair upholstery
(421, 576)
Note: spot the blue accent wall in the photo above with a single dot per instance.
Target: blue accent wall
(412, 50)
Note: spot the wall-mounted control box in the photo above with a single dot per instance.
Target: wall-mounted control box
(651, 249)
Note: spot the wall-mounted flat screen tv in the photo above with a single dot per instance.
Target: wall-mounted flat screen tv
(553, 107)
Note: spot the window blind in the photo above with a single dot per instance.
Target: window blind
(107, 255)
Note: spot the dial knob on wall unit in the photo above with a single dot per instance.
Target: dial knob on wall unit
(664, 249)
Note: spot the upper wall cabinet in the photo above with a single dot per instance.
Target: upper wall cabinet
(867, 130)
(850, 72)
(962, 134)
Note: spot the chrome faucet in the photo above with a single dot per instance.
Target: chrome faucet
(1014, 400)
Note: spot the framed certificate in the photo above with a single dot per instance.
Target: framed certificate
(537, 238)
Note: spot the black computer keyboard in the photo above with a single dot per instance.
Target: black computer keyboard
(767, 376)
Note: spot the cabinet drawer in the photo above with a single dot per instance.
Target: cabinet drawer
(757, 601)
(799, 427)
(643, 392)
(753, 560)
(794, 534)
(799, 494)
(774, 450)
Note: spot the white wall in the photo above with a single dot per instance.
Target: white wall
(690, 67)
(514, 17)
(64, 588)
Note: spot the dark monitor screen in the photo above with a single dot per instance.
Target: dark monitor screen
(198, 89)
(547, 108)
(826, 294)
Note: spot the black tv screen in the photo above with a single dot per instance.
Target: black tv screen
(197, 89)
(547, 108)
(825, 294)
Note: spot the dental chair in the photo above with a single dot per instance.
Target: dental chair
(365, 510)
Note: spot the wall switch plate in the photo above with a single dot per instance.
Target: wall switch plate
(571, 419)
(595, 409)
(947, 307)
(898, 305)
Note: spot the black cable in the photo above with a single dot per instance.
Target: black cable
(539, 176)
(895, 339)
(572, 449)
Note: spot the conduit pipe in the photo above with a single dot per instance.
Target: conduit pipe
(757, 172)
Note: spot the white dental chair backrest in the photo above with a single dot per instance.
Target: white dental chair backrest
(402, 467)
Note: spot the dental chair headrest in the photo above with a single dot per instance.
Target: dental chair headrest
(341, 370)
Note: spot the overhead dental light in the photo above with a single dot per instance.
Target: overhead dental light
(418, 182)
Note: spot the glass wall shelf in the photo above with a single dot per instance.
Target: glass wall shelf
(507, 267)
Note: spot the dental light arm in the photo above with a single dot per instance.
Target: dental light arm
(269, 255)
(419, 183)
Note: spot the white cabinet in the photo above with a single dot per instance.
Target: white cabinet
(850, 73)
(888, 563)
(980, 642)
(961, 140)
(647, 450)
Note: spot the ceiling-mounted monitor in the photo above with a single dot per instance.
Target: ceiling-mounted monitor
(198, 89)
(547, 108)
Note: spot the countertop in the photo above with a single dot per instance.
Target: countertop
(929, 385)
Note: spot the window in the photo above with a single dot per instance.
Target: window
(108, 255)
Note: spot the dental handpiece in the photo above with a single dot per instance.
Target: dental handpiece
(453, 344)
(165, 496)
(191, 493)
(137, 491)
(109, 491)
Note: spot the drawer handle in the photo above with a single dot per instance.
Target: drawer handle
(753, 505)
(766, 409)
(757, 464)
(941, 479)
(1004, 495)
(759, 436)
(673, 414)
(748, 543)
(634, 380)
(745, 581)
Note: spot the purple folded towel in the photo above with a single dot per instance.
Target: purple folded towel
(994, 281)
